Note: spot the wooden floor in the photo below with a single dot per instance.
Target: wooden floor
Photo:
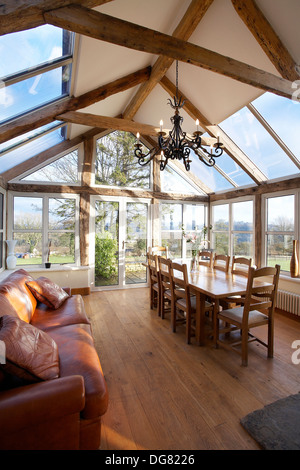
(167, 395)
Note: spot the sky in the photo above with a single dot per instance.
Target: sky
(20, 51)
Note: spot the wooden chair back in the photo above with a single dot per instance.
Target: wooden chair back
(205, 258)
(180, 283)
(165, 278)
(159, 251)
(221, 262)
(241, 266)
(261, 298)
(165, 273)
(153, 268)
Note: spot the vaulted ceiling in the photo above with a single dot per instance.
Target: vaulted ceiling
(230, 52)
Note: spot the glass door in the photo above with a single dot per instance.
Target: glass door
(121, 238)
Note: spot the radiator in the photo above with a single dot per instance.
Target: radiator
(288, 301)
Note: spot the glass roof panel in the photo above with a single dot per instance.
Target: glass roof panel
(283, 115)
(171, 181)
(209, 175)
(246, 131)
(28, 94)
(10, 144)
(30, 149)
(25, 49)
(233, 170)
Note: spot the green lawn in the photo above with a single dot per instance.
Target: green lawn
(55, 259)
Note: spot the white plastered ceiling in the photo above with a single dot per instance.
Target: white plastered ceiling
(221, 30)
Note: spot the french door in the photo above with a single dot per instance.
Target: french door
(121, 228)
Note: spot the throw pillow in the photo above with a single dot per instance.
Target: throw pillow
(47, 292)
(30, 353)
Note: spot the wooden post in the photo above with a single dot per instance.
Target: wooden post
(258, 230)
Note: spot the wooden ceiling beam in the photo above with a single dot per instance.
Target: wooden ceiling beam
(123, 33)
(18, 15)
(106, 122)
(43, 116)
(265, 35)
(184, 30)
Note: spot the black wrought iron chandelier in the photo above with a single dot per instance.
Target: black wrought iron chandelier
(177, 145)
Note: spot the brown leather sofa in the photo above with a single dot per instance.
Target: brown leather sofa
(65, 412)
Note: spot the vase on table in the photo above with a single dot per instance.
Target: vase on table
(194, 260)
(294, 264)
(11, 260)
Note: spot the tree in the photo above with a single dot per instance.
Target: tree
(116, 164)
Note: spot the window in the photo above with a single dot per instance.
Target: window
(45, 223)
(232, 228)
(172, 181)
(18, 150)
(280, 230)
(253, 139)
(283, 115)
(35, 69)
(175, 216)
(116, 164)
(62, 170)
(220, 228)
(2, 229)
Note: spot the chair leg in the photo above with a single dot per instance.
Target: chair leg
(271, 337)
(188, 328)
(244, 347)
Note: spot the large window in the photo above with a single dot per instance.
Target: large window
(45, 225)
(116, 164)
(280, 229)
(232, 228)
(179, 218)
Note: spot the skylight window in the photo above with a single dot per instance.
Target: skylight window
(283, 115)
(33, 147)
(212, 178)
(171, 181)
(246, 131)
(35, 69)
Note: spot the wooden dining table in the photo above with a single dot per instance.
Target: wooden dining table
(208, 282)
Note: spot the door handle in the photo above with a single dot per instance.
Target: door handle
(123, 244)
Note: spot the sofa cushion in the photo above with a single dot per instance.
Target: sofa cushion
(15, 297)
(71, 312)
(31, 354)
(78, 356)
(47, 292)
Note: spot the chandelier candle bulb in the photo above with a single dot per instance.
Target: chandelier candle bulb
(161, 124)
(197, 124)
(138, 138)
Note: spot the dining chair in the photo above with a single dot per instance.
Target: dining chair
(258, 310)
(221, 262)
(184, 303)
(205, 258)
(159, 251)
(154, 282)
(241, 267)
(165, 279)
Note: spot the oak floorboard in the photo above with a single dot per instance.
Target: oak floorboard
(168, 395)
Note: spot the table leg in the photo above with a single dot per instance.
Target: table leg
(200, 307)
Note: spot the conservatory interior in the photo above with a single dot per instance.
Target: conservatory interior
(88, 91)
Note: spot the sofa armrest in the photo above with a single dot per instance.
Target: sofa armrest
(31, 405)
(67, 290)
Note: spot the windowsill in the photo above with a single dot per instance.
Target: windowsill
(41, 269)
(287, 277)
